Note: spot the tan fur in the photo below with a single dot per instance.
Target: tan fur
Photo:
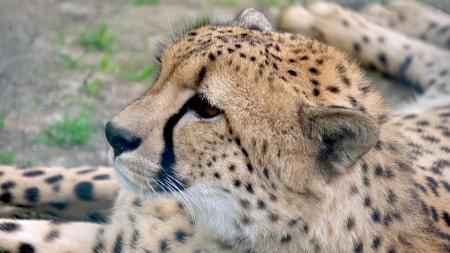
(304, 157)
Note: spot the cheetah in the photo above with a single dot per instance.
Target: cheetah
(254, 140)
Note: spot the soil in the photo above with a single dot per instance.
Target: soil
(45, 71)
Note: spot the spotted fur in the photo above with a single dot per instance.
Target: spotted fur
(267, 142)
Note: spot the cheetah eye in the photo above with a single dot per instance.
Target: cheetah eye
(203, 108)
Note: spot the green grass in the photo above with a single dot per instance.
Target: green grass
(7, 158)
(227, 2)
(71, 62)
(94, 87)
(99, 39)
(272, 3)
(61, 38)
(136, 73)
(2, 120)
(132, 71)
(108, 65)
(69, 131)
(145, 2)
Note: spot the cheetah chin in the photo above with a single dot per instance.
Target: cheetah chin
(209, 207)
(136, 178)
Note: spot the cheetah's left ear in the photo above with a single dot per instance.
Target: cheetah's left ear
(253, 20)
(341, 136)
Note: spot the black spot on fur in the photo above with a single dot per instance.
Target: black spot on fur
(313, 71)
(292, 72)
(356, 47)
(32, 194)
(316, 92)
(8, 185)
(405, 65)
(273, 217)
(180, 236)
(350, 224)
(358, 248)
(101, 177)
(382, 58)
(134, 239)
(164, 246)
(26, 248)
(118, 244)
(6, 197)
(9, 227)
(52, 235)
(285, 239)
(365, 39)
(376, 242)
(333, 89)
(33, 173)
(266, 173)
(376, 216)
(211, 57)
(249, 188)
(54, 179)
(261, 204)
(84, 191)
(304, 58)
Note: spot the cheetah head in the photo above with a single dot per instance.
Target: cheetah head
(250, 128)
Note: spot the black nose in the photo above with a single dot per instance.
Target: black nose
(120, 139)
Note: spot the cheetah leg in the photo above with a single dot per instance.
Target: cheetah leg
(413, 19)
(45, 236)
(422, 64)
(74, 194)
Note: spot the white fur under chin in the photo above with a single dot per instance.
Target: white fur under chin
(215, 212)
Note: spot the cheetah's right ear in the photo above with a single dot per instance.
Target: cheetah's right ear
(341, 136)
(253, 20)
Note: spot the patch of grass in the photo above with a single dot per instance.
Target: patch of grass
(93, 87)
(145, 2)
(108, 65)
(272, 3)
(61, 38)
(69, 131)
(227, 2)
(2, 120)
(71, 62)
(100, 39)
(7, 158)
(136, 73)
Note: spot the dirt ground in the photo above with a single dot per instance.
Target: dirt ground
(67, 66)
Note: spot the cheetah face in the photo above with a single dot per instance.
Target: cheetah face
(234, 129)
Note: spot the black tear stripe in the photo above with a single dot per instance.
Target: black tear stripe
(166, 175)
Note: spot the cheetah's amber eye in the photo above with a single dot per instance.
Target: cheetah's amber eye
(202, 107)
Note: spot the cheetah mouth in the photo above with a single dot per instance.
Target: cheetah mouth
(134, 174)
(146, 177)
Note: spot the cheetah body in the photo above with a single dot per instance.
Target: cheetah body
(268, 142)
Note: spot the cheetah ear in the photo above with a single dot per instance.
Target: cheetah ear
(340, 135)
(254, 20)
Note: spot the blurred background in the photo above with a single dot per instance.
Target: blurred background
(68, 66)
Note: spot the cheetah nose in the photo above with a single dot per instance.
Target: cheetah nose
(120, 139)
